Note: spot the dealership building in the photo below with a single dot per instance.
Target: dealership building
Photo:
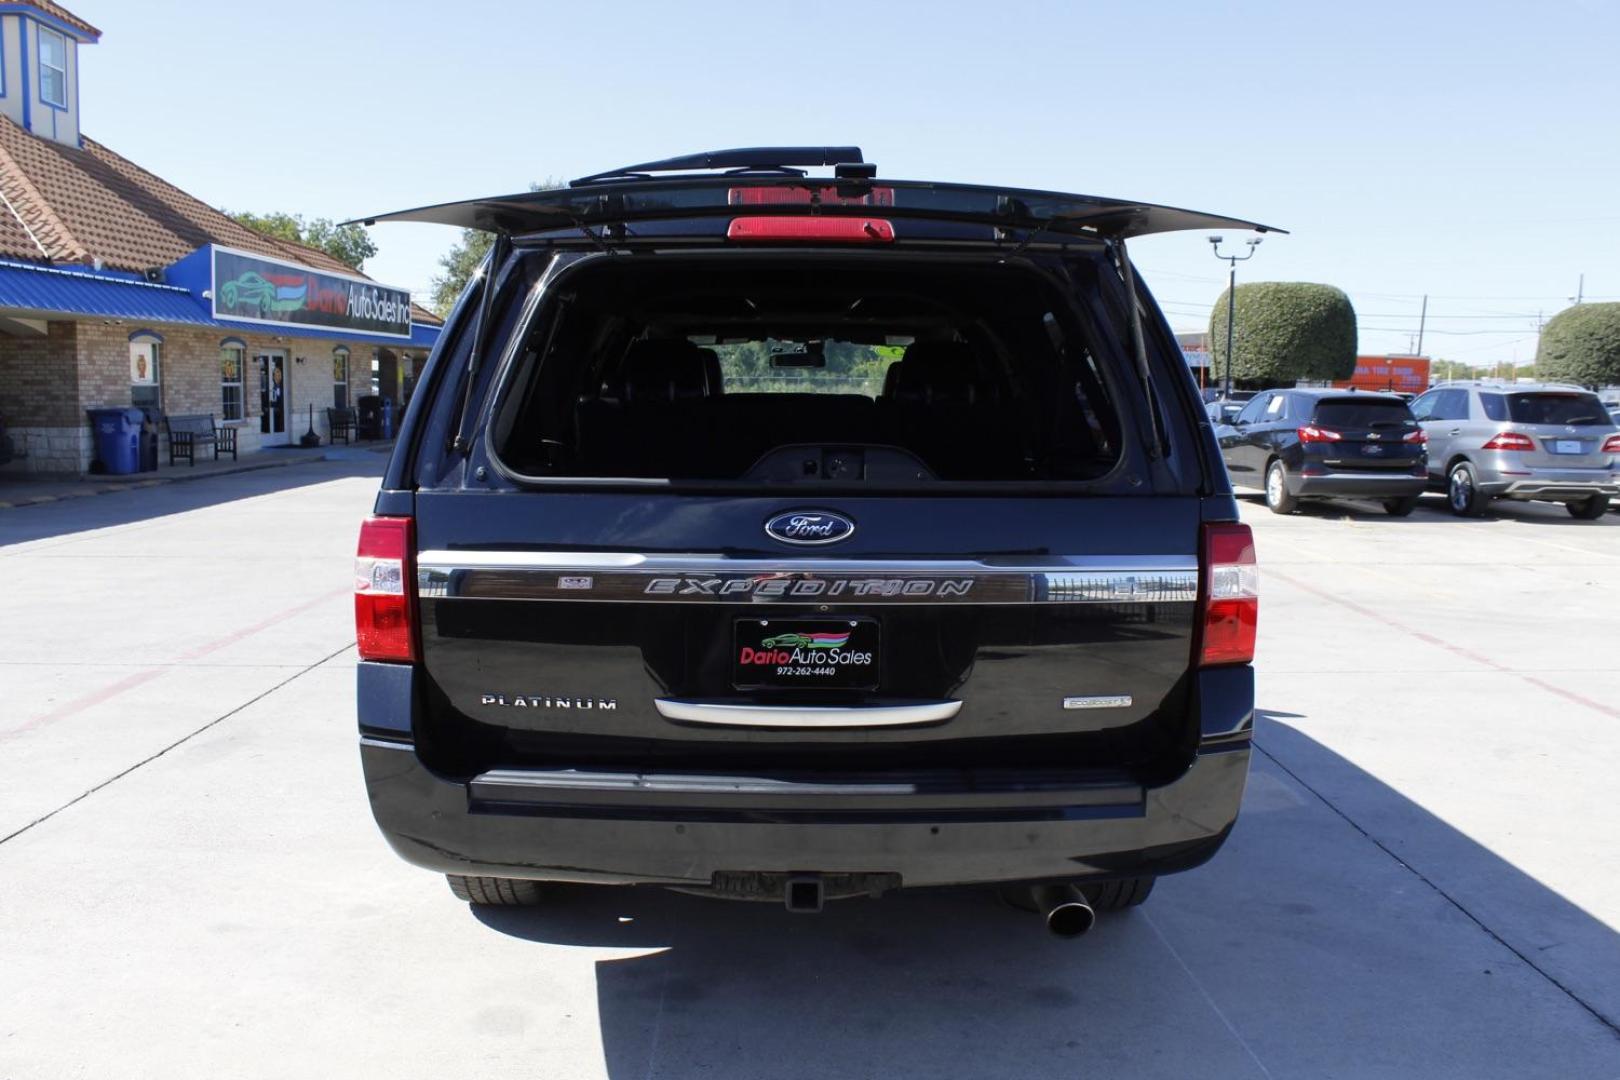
(119, 289)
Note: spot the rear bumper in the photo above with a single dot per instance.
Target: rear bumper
(1359, 485)
(1504, 476)
(664, 830)
(1556, 484)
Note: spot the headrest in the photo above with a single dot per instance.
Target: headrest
(932, 372)
(713, 384)
(891, 378)
(665, 369)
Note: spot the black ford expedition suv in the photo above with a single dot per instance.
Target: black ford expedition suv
(788, 537)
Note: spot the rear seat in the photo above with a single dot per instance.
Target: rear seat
(669, 417)
(939, 405)
(657, 421)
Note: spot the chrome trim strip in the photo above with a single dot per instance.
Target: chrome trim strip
(492, 784)
(625, 560)
(1107, 701)
(805, 716)
(634, 578)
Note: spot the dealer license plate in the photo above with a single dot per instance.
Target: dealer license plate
(832, 654)
(1568, 446)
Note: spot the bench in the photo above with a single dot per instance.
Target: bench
(341, 423)
(186, 433)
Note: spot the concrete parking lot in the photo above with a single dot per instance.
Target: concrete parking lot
(1425, 881)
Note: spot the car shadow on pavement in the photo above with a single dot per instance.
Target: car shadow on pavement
(1305, 948)
(63, 517)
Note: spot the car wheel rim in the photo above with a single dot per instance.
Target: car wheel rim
(1461, 489)
(1274, 486)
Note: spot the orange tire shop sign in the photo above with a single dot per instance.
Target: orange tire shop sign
(1401, 374)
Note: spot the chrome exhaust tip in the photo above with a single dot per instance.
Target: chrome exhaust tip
(1065, 910)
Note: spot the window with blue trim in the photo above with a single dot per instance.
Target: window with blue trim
(340, 377)
(231, 362)
(52, 68)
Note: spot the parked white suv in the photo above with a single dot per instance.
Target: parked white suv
(1525, 441)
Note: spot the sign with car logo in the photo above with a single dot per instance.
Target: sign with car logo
(808, 527)
(257, 289)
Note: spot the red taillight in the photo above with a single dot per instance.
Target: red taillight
(1509, 440)
(1419, 436)
(1229, 596)
(1611, 445)
(823, 194)
(835, 230)
(1311, 433)
(384, 623)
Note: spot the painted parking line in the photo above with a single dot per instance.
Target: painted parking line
(1450, 647)
(140, 678)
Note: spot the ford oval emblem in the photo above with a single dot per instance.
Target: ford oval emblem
(810, 527)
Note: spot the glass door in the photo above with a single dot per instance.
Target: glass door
(272, 394)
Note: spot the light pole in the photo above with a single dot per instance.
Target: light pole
(1231, 296)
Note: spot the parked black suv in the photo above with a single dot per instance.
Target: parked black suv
(792, 538)
(1320, 443)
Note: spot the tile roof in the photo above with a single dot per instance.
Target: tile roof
(60, 204)
(57, 11)
(92, 203)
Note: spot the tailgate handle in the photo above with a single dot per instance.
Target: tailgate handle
(732, 714)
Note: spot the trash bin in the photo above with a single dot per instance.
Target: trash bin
(117, 439)
(368, 416)
(149, 438)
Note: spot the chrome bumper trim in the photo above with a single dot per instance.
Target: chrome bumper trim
(634, 578)
(805, 716)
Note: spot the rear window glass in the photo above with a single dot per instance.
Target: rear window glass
(1361, 413)
(859, 371)
(1494, 405)
(803, 367)
(1556, 408)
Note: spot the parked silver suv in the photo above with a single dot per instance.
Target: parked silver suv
(1521, 441)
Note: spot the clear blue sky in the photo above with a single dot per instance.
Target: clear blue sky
(1466, 150)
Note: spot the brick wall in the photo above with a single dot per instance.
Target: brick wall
(39, 380)
(46, 383)
(190, 369)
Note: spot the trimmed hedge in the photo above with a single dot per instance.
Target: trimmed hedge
(1286, 330)
(1581, 345)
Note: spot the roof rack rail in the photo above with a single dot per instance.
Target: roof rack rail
(785, 160)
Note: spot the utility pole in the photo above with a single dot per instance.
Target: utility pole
(1231, 296)
(1580, 292)
(1423, 318)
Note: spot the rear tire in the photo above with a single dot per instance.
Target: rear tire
(1589, 509)
(1401, 507)
(1118, 895)
(1278, 501)
(496, 891)
(1462, 492)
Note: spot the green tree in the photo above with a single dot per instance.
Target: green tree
(350, 245)
(461, 262)
(1286, 330)
(1581, 345)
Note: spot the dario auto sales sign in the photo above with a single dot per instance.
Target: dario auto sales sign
(253, 288)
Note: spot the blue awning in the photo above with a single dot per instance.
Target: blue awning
(47, 291)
